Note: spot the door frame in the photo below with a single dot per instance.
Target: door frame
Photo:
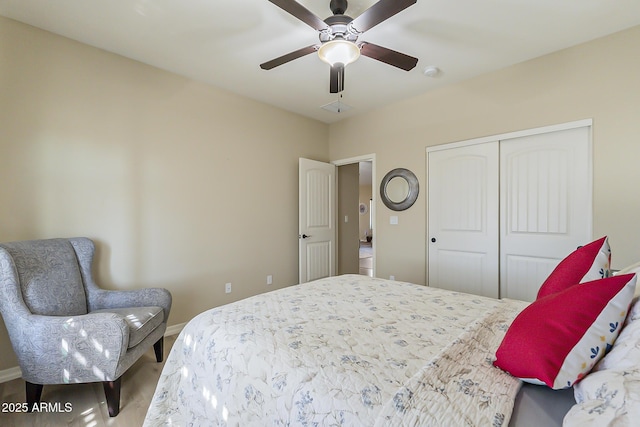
(374, 195)
(504, 136)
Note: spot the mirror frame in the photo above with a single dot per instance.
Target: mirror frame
(412, 195)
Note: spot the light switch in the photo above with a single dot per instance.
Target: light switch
(346, 218)
(393, 220)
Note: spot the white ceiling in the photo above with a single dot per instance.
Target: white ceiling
(223, 42)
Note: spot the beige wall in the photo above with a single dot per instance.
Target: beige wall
(596, 80)
(181, 184)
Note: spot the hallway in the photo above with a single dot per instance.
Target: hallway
(366, 259)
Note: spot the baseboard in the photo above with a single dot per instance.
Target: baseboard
(10, 374)
(15, 372)
(174, 329)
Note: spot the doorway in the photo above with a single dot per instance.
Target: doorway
(365, 204)
(356, 215)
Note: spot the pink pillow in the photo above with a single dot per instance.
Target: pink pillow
(557, 339)
(588, 262)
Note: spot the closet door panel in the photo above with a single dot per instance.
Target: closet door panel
(523, 275)
(545, 206)
(463, 219)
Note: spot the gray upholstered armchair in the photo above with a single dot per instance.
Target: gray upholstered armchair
(64, 328)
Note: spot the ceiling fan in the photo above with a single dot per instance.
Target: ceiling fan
(339, 45)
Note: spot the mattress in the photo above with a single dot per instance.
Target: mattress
(537, 406)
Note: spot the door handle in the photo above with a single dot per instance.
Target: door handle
(304, 236)
(433, 240)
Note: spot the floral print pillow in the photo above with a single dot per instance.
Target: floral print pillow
(610, 395)
(558, 339)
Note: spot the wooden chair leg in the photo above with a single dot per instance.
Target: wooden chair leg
(158, 347)
(112, 393)
(34, 392)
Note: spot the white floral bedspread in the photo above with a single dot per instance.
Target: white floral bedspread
(347, 350)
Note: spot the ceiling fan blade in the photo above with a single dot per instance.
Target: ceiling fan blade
(336, 79)
(302, 13)
(388, 56)
(379, 12)
(289, 57)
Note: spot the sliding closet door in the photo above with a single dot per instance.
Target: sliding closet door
(545, 206)
(463, 219)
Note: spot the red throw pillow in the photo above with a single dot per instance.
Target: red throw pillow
(557, 339)
(589, 262)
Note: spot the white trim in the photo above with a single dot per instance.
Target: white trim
(14, 373)
(357, 159)
(374, 194)
(10, 374)
(174, 329)
(511, 135)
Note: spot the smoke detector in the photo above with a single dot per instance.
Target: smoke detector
(431, 71)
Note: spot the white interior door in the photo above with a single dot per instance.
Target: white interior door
(317, 220)
(463, 219)
(545, 205)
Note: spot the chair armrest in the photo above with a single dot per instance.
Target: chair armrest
(69, 349)
(100, 299)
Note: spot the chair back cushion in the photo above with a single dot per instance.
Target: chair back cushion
(49, 276)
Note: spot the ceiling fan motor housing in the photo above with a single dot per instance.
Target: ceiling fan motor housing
(338, 28)
(338, 7)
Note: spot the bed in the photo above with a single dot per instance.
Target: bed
(350, 350)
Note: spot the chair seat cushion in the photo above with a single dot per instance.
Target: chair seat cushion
(141, 320)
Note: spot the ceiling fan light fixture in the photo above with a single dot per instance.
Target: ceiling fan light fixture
(339, 51)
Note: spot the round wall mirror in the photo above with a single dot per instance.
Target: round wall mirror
(399, 189)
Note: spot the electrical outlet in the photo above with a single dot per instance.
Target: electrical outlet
(392, 277)
(269, 279)
(227, 288)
